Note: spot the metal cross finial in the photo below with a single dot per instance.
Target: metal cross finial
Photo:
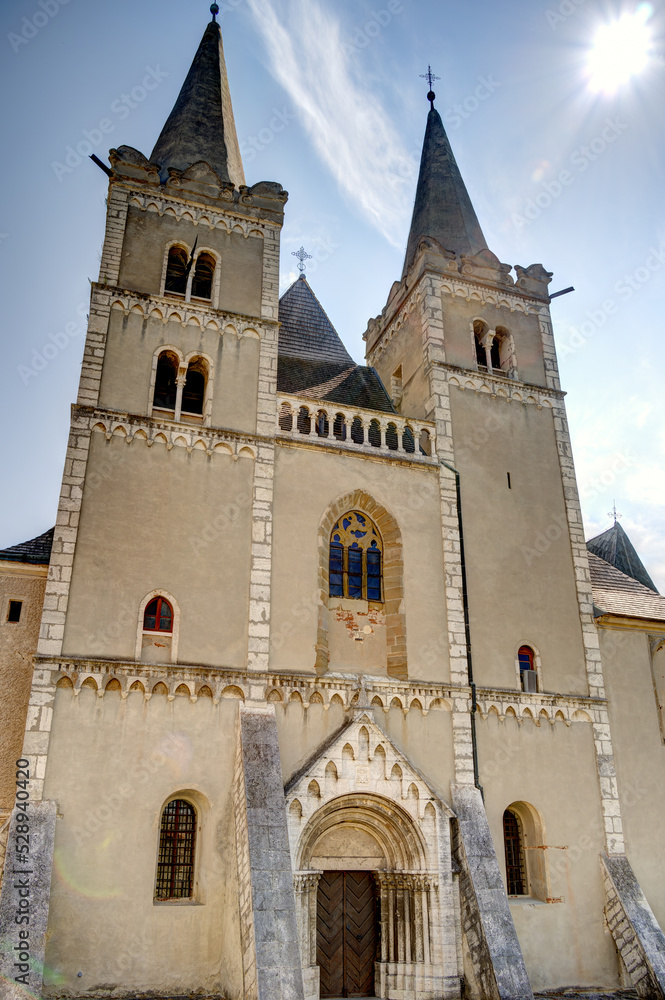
(214, 10)
(302, 257)
(615, 514)
(431, 78)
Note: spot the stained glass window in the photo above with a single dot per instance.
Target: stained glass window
(355, 566)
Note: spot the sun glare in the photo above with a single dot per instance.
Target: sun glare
(621, 50)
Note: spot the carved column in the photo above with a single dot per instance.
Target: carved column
(306, 886)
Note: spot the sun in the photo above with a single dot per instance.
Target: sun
(621, 50)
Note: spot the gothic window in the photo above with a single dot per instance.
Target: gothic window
(355, 565)
(194, 389)
(514, 843)
(204, 273)
(166, 386)
(176, 271)
(177, 840)
(158, 616)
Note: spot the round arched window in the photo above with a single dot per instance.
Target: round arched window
(158, 616)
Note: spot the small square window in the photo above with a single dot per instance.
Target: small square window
(14, 613)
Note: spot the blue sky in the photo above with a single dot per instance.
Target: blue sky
(329, 102)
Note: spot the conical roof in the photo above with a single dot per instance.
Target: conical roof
(443, 208)
(312, 360)
(201, 125)
(616, 548)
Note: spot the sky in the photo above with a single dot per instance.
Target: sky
(564, 169)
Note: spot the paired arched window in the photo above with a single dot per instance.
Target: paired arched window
(189, 277)
(355, 563)
(158, 616)
(513, 836)
(180, 390)
(177, 845)
(177, 271)
(494, 350)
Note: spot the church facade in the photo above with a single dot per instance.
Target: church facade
(330, 698)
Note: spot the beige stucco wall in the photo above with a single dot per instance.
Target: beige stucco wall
(519, 564)
(163, 520)
(240, 258)
(639, 754)
(411, 496)
(552, 768)
(18, 643)
(113, 764)
(130, 349)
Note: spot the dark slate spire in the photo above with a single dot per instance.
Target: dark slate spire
(616, 548)
(443, 209)
(306, 331)
(201, 125)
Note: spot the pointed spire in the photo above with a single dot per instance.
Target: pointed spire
(201, 125)
(616, 548)
(442, 209)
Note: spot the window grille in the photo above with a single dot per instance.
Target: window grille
(515, 867)
(355, 562)
(175, 867)
(158, 616)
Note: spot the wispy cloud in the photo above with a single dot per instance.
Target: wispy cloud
(348, 126)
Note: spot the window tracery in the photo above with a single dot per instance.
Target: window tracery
(356, 553)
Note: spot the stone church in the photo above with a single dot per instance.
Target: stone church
(316, 689)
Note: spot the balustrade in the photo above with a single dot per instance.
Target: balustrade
(356, 429)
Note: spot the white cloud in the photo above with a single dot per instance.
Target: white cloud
(351, 132)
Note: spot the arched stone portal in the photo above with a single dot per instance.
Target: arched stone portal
(361, 807)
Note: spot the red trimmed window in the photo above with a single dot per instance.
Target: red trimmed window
(525, 657)
(175, 866)
(158, 616)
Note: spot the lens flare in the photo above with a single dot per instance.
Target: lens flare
(621, 50)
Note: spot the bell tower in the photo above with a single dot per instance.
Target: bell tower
(469, 343)
(171, 447)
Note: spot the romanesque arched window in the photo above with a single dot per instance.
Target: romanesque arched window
(177, 842)
(204, 273)
(166, 384)
(193, 393)
(176, 271)
(158, 616)
(513, 836)
(356, 558)
(528, 673)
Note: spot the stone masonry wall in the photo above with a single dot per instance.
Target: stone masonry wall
(635, 930)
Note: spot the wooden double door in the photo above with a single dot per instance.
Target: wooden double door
(346, 934)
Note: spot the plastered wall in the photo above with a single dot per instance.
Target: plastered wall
(411, 496)
(553, 769)
(18, 642)
(154, 519)
(113, 764)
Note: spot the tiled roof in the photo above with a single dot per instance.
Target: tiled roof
(616, 548)
(615, 593)
(37, 550)
(314, 362)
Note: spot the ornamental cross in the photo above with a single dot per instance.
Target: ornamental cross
(431, 78)
(302, 256)
(614, 513)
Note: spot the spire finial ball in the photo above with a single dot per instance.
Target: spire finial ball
(214, 10)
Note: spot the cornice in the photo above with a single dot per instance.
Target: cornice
(166, 308)
(230, 217)
(512, 390)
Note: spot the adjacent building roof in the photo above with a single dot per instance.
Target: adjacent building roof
(313, 361)
(616, 548)
(616, 593)
(37, 550)
(201, 126)
(442, 208)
